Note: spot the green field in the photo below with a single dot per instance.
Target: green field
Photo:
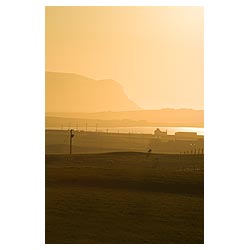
(124, 198)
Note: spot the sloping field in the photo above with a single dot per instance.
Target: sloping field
(124, 198)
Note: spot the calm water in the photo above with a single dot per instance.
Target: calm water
(138, 130)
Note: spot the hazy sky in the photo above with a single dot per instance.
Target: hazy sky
(155, 53)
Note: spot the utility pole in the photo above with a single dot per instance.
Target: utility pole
(96, 127)
(71, 135)
(86, 127)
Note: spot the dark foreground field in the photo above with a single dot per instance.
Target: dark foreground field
(124, 198)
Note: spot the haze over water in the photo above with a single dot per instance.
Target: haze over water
(134, 130)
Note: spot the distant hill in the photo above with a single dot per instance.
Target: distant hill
(66, 92)
(161, 117)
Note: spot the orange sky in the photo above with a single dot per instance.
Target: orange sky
(155, 53)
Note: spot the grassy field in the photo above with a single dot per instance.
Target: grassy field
(124, 198)
(57, 142)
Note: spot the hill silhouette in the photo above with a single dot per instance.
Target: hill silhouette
(68, 92)
(162, 117)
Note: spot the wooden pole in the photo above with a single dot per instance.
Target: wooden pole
(71, 135)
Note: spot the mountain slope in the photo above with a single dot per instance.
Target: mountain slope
(66, 92)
